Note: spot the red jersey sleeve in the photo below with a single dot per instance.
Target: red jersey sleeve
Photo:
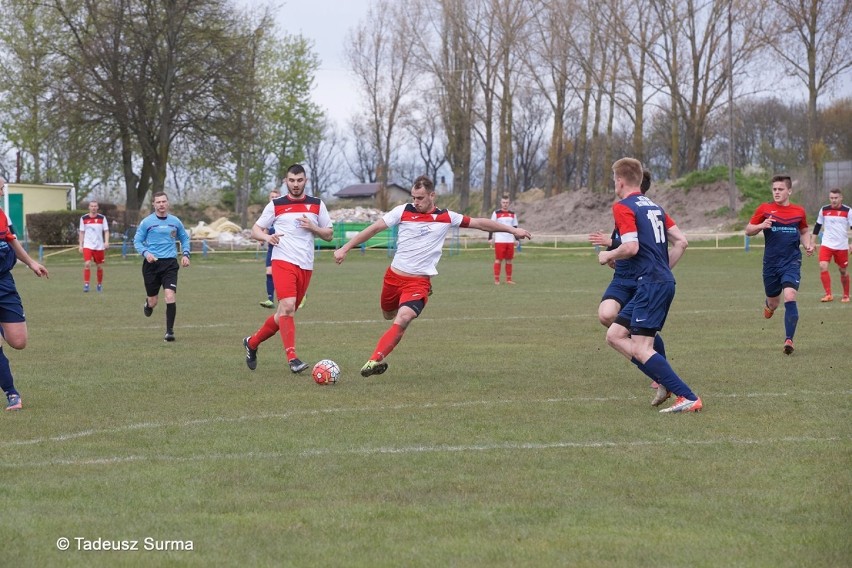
(625, 219)
(759, 215)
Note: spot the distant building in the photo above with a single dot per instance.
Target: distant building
(366, 192)
(21, 199)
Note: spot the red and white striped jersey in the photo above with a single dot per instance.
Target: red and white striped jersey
(295, 244)
(507, 218)
(93, 229)
(836, 223)
(420, 237)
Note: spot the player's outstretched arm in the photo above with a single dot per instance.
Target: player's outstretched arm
(361, 238)
(488, 225)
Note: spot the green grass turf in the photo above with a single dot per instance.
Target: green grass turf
(505, 432)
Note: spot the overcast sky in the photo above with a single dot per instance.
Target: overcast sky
(326, 23)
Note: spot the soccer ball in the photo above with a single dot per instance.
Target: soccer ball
(326, 372)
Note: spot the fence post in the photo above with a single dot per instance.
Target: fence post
(41, 253)
(747, 238)
(204, 248)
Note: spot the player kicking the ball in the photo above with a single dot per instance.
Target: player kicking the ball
(407, 284)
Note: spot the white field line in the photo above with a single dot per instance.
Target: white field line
(370, 409)
(404, 450)
(426, 319)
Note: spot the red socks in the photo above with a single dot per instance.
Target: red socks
(387, 342)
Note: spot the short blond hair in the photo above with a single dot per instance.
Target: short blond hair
(630, 170)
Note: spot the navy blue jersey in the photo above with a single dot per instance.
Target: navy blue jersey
(638, 219)
(784, 237)
(624, 269)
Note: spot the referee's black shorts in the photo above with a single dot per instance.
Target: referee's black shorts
(162, 273)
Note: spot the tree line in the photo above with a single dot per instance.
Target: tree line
(199, 98)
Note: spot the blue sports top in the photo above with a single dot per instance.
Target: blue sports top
(784, 237)
(158, 236)
(638, 219)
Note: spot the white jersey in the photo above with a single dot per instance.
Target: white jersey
(295, 244)
(507, 218)
(420, 237)
(836, 223)
(93, 229)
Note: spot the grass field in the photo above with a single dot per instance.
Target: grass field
(505, 432)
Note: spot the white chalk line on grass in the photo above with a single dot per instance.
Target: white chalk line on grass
(406, 450)
(443, 320)
(372, 409)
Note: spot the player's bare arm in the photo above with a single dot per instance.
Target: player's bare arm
(625, 250)
(600, 239)
(488, 225)
(362, 237)
(753, 229)
(258, 233)
(807, 241)
(22, 255)
(678, 243)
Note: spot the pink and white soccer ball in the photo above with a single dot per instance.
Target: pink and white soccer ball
(326, 372)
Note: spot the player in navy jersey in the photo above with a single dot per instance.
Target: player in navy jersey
(155, 241)
(837, 220)
(94, 240)
(504, 243)
(270, 287)
(12, 321)
(643, 226)
(297, 219)
(422, 228)
(623, 284)
(785, 227)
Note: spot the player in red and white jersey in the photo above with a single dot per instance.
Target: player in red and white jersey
(296, 219)
(94, 240)
(421, 230)
(504, 243)
(837, 220)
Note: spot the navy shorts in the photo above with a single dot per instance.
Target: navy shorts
(162, 273)
(11, 308)
(646, 313)
(776, 278)
(621, 290)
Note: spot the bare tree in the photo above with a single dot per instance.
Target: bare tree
(812, 39)
(365, 163)
(445, 54)
(381, 55)
(529, 131)
(691, 59)
(551, 68)
(323, 158)
(424, 129)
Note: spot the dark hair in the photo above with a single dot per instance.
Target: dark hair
(425, 182)
(296, 169)
(835, 190)
(788, 181)
(158, 194)
(646, 182)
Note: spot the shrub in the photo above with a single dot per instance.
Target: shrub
(54, 227)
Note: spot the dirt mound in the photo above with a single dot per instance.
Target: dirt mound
(701, 209)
